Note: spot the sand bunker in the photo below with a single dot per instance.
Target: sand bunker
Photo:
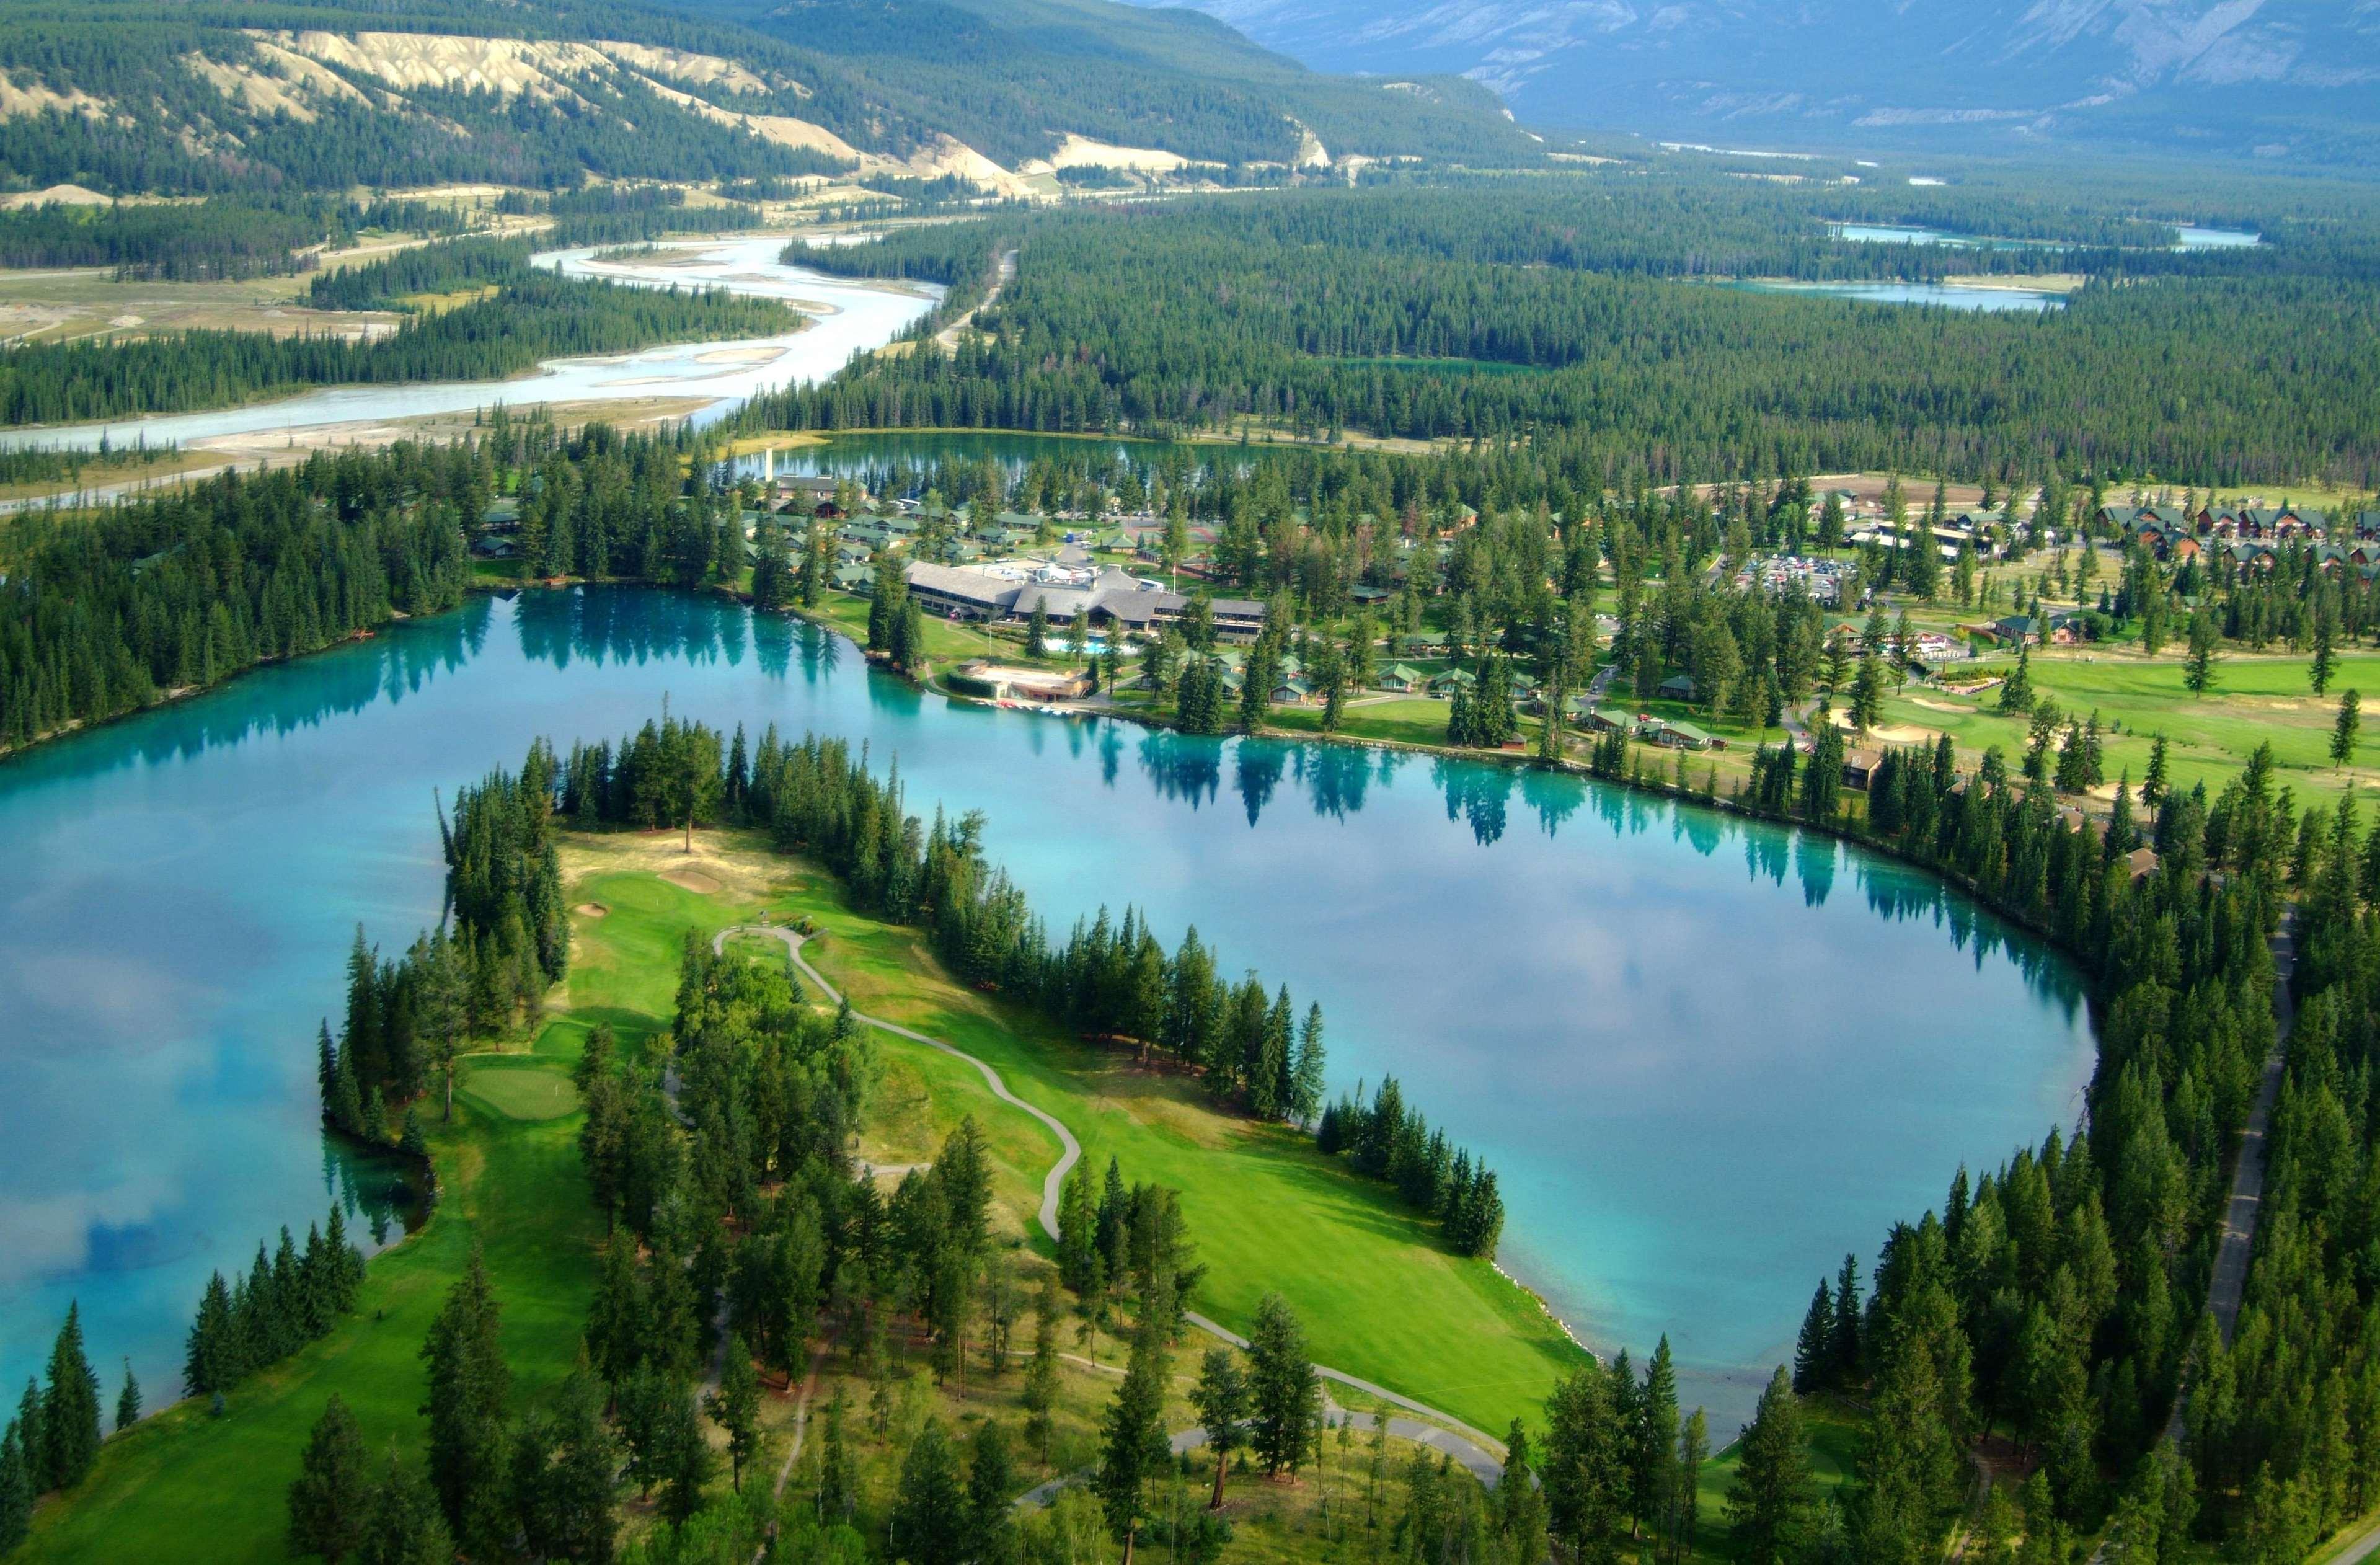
(693, 880)
(593, 910)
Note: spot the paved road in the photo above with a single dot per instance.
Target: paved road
(1482, 1463)
(2230, 1282)
(1071, 1150)
(1476, 1450)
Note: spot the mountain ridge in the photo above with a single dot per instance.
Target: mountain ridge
(2253, 78)
(318, 94)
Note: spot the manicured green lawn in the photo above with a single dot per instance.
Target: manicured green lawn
(1405, 719)
(528, 1091)
(2255, 700)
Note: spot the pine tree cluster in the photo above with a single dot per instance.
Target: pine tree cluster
(1390, 1142)
(286, 1299)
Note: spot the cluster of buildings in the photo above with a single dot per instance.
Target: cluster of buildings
(2252, 536)
(1113, 600)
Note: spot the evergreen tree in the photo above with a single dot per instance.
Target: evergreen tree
(1846, 1336)
(1518, 1506)
(2344, 727)
(16, 1490)
(683, 1456)
(30, 1436)
(1814, 1351)
(1221, 1398)
(1132, 1445)
(1693, 1450)
(1657, 1440)
(736, 1407)
(70, 1408)
(326, 1501)
(2016, 691)
(1282, 1393)
(563, 1468)
(1307, 1079)
(838, 1494)
(992, 1482)
(402, 1524)
(1770, 1499)
(930, 1515)
(2198, 665)
(468, 1386)
(1041, 1394)
(127, 1401)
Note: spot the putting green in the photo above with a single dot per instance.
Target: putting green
(524, 1091)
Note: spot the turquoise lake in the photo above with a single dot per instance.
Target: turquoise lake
(1706, 1058)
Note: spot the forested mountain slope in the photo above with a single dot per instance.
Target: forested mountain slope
(261, 94)
(2299, 80)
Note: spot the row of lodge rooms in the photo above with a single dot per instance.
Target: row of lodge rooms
(2250, 534)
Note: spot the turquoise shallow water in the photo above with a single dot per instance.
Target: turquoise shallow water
(1706, 1058)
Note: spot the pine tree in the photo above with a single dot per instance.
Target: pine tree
(1132, 1446)
(1813, 1352)
(1656, 1439)
(2198, 666)
(127, 1401)
(16, 1491)
(1221, 1398)
(2016, 691)
(683, 1455)
(736, 1407)
(1693, 1450)
(2152, 786)
(1770, 1499)
(326, 1501)
(71, 1408)
(2343, 729)
(1282, 1393)
(468, 1384)
(565, 1466)
(1308, 1078)
(930, 1508)
(991, 1480)
(1846, 1338)
(838, 1494)
(2325, 652)
(1518, 1506)
(402, 1524)
(1040, 1395)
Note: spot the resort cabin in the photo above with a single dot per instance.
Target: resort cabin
(1400, 676)
(1677, 688)
(1859, 767)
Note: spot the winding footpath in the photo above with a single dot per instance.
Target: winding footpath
(1476, 1450)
